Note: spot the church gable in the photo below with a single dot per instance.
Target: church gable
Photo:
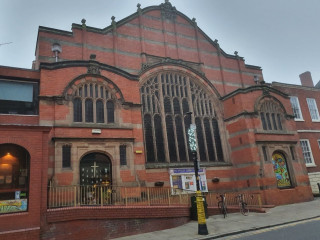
(160, 31)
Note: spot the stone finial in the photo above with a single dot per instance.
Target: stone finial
(216, 42)
(83, 21)
(236, 53)
(113, 22)
(168, 11)
(139, 8)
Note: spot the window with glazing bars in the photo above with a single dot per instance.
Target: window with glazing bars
(306, 151)
(296, 108)
(313, 109)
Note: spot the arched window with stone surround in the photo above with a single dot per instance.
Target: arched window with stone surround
(281, 170)
(166, 98)
(93, 103)
(271, 115)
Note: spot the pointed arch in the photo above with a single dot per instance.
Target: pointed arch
(178, 92)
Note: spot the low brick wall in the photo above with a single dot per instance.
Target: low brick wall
(111, 222)
(21, 234)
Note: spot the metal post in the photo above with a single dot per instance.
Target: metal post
(202, 226)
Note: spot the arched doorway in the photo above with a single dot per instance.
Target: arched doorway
(281, 171)
(14, 178)
(95, 169)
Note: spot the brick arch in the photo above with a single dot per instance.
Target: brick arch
(73, 85)
(18, 141)
(168, 134)
(107, 164)
(176, 67)
(98, 151)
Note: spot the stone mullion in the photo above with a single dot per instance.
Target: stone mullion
(163, 118)
(94, 103)
(105, 110)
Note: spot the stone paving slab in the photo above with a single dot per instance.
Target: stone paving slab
(237, 223)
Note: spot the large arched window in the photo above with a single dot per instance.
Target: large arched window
(14, 178)
(272, 116)
(97, 102)
(166, 98)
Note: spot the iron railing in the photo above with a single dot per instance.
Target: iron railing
(74, 196)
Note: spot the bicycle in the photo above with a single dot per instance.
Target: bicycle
(222, 205)
(243, 206)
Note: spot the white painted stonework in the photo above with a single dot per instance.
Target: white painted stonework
(314, 179)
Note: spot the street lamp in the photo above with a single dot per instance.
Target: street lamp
(202, 226)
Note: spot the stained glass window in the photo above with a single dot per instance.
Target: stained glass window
(280, 169)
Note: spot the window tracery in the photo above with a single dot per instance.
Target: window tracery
(93, 103)
(271, 115)
(166, 98)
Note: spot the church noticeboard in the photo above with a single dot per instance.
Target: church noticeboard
(184, 180)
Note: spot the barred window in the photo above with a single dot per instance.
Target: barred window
(271, 116)
(166, 98)
(93, 103)
(66, 156)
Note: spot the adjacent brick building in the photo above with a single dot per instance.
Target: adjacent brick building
(305, 100)
(118, 99)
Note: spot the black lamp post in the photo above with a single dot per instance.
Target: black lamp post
(202, 226)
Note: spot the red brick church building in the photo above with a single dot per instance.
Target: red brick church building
(116, 99)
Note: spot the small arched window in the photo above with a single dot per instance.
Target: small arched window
(272, 116)
(93, 103)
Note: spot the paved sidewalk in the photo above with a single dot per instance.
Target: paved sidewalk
(237, 223)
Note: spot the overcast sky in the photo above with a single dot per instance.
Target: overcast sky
(280, 36)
